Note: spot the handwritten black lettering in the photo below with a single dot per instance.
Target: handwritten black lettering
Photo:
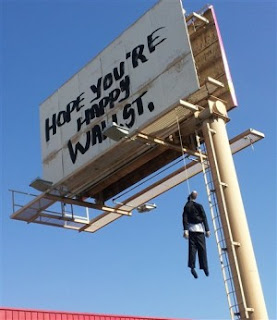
(113, 96)
(119, 74)
(96, 89)
(73, 151)
(139, 103)
(114, 118)
(108, 81)
(125, 88)
(137, 54)
(49, 127)
(129, 112)
(151, 106)
(103, 127)
(103, 104)
(95, 135)
(63, 116)
(109, 90)
(150, 40)
(92, 137)
(75, 104)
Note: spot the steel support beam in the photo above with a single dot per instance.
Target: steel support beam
(234, 222)
(87, 204)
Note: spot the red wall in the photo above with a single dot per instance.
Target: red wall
(25, 314)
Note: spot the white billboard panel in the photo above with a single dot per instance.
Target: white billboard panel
(133, 81)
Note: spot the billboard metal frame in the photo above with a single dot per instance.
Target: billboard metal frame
(36, 210)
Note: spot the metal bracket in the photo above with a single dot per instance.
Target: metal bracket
(224, 184)
(250, 142)
(191, 107)
(215, 82)
(212, 131)
(215, 108)
(235, 244)
(146, 138)
(197, 16)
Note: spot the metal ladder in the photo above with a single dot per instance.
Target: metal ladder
(219, 234)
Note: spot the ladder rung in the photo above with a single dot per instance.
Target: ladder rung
(216, 217)
(227, 267)
(224, 184)
(229, 294)
(212, 130)
(236, 244)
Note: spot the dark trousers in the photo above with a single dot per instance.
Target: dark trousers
(197, 243)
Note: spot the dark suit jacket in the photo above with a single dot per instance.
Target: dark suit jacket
(194, 213)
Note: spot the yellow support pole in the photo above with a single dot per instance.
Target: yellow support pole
(241, 255)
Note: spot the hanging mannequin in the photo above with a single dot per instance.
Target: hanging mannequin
(195, 229)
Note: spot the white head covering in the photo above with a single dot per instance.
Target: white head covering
(193, 195)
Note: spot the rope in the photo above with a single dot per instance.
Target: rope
(183, 154)
(162, 170)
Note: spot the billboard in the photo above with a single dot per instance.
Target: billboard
(137, 82)
(133, 82)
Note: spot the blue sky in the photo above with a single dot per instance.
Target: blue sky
(136, 266)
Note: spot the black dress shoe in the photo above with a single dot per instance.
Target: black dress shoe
(206, 272)
(193, 272)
